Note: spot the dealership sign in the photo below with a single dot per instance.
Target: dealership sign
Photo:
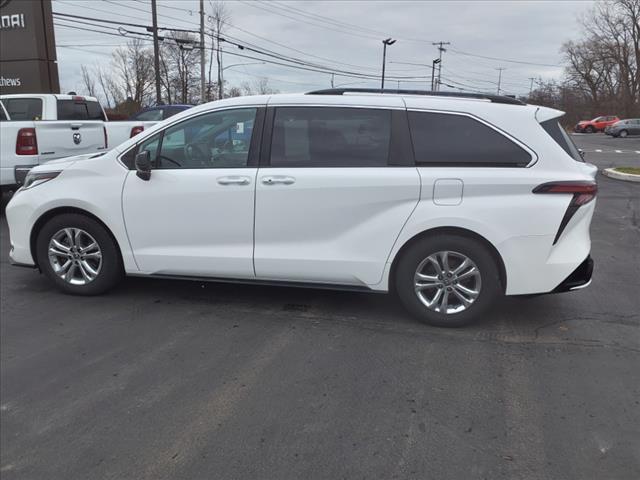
(12, 21)
(27, 47)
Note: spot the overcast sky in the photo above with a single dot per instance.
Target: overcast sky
(346, 35)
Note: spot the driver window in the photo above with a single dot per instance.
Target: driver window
(215, 140)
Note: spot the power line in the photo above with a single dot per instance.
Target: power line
(338, 23)
(353, 34)
(113, 22)
(505, 59)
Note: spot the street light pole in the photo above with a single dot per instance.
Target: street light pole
(238, 64)
(385, 42)
(433, 72)
(500, 69)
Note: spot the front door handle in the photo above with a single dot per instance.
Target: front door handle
(234, 180)
(278, 180)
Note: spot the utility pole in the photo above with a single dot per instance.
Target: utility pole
(440, 49)
(500, 69)
(202, 58)
(531, 87)
(156, 52)
(332, 77)
(385, 43)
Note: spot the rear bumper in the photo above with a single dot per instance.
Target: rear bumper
(580, 278)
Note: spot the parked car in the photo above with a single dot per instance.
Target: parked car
(159, 112)
(623, 128)
(36, 128)
(450, 201)
(598, 124)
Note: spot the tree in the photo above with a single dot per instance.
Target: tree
(604, 65)
(88, 81)
(179, 68)
(259, 86)
(133, 74)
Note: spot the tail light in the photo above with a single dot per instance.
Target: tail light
(26, 143)
(583, 192)
(106, 138)
(136, 130)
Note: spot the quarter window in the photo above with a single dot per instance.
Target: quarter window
(330, 137)
(457, 140)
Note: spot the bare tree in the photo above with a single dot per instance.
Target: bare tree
(103, 81)
(259, 86)
(133, 73)
(180, 67)
(88, 81)
(604, 65)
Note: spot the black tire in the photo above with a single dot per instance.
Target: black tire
(623, 134)
(590, 129)
(111, 269)
(413, 256)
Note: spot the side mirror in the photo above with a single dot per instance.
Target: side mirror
(143, 165)
(581, 153)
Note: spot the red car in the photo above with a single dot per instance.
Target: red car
(598, 124)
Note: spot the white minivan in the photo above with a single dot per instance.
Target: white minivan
(448, 200)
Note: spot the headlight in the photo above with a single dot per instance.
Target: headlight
(38, 178)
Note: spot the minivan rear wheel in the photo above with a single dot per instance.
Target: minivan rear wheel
(447, 280)
(78, 254)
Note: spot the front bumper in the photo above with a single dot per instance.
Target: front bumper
(580, 278)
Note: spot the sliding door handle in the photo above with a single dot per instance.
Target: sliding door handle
(278, 180)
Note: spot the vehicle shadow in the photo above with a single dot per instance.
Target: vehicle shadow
(519, 315)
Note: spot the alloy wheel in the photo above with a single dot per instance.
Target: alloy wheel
(447, 282)
(75, 256)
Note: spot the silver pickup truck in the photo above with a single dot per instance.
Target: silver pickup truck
(36, 128)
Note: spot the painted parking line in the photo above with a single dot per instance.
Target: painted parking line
(610, 151)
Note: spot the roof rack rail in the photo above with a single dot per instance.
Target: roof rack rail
(481, 96)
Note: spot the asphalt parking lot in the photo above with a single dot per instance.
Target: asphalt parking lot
(186, 380)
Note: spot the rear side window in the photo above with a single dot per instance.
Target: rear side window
(171, 111)
(555, 131)
(79, 110)
(330, 137)
(149, 115)
(24, 108)
(3, 117)
(456, 140)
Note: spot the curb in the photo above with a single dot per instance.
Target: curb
(629, 177)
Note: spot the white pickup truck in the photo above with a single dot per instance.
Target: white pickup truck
(36, 128)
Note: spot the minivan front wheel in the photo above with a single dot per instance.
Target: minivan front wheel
(448, 280)
(78, 254)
